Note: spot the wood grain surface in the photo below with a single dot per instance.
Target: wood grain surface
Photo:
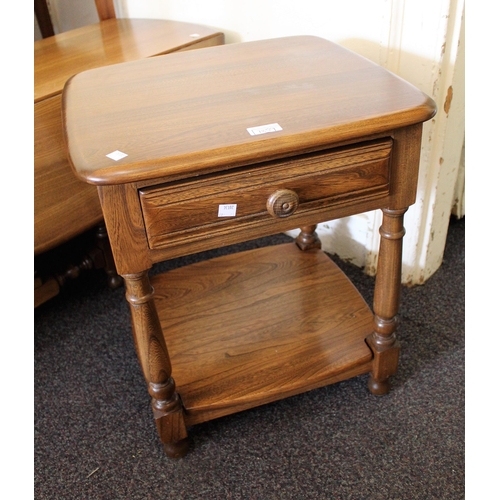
(242, 329)
(113, 41)
(189, 113)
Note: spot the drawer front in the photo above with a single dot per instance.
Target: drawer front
(198, 208)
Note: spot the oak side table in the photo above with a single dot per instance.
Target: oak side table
(212, 147)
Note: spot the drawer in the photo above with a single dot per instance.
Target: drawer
(278, 190)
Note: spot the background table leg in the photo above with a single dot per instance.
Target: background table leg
(308, 238)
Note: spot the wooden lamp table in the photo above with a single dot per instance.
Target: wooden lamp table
(213, 147)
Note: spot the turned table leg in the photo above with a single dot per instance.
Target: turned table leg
(383, 340)
(155, 362)
(308, 238)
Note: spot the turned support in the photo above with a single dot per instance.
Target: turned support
(155, 363)
(308, 238)
(383, 340)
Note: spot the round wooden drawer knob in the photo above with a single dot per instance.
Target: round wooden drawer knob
(282, 203)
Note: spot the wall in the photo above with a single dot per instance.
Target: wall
(69, 14)
(419, 40)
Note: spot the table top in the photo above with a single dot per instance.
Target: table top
(214, 108)
(113, 41)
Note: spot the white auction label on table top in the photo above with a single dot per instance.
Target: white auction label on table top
(264, 129)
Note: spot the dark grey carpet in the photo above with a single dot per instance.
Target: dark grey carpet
(95, 437)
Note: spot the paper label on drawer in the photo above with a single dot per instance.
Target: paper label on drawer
(117, 155)
(264, 129)
(227, 210)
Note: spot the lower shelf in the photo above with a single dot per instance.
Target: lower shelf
(254, 327)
